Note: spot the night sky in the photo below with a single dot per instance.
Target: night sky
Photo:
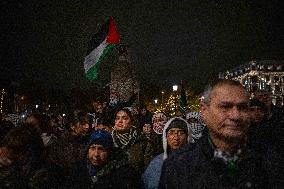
(45, 42)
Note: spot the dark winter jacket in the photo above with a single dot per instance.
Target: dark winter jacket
(194, 166)
(140, 151)
(115, 174)
(151, 176)
(267, 134)
(28, 168)
(67, 151)
(35, 175)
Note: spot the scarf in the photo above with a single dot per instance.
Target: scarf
(229, 159)
(123, 140)
(93, 170)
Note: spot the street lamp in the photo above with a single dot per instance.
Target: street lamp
(156, 101)
(175, 88)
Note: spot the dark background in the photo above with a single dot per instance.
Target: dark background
(43, 43)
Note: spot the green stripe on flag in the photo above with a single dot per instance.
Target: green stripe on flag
(92, 73)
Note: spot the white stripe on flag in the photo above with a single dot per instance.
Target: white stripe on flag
(93, 57)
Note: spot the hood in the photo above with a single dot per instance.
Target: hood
(165, 143)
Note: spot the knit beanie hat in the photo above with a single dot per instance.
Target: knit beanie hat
(101, 137)
(177, 124)
(146, 120)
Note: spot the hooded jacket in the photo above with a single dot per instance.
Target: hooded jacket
(151, 176)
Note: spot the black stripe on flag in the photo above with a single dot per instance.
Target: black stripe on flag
(98, 38)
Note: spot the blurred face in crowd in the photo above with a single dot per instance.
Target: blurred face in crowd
(226, 114)
(97, 155)
(35, 122)
(100, 108)
(9, 156)
(135, 111)
(256, 114)
(143, 111)
(81, 128)
(147, 129)
(264, 97)
(60, 119)
(32, 120)
(6, 157)
(53, 122)
(176, 137)
(122, 121)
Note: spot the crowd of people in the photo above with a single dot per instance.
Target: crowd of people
(234, 141)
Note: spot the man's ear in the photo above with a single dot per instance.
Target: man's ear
(203, 108)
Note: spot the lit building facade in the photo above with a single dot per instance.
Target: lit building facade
(261, 75)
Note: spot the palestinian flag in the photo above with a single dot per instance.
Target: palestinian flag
(100, 46)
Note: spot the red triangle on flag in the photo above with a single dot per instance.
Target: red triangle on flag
(113, 35)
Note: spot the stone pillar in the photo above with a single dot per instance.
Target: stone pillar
(123, 78)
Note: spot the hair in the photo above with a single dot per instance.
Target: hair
(127, 111)
(21, 139)
(39, 123)
(104, 120)
(206, 95)
(145, 120)
(79, 116)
